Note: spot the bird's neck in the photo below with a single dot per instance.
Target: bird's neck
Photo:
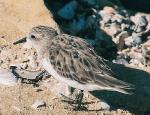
(42, 52)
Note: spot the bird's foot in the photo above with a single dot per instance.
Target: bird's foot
(78, 100)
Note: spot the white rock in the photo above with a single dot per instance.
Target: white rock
(38, 104)
(68, 11)
(7, 78)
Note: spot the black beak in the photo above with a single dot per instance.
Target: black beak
(20, 41)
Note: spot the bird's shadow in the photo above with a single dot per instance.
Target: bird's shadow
(139, 101)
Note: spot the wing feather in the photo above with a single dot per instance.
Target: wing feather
(74, 59)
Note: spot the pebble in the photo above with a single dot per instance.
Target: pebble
(7, 77)
(68, 11)
(38, 104)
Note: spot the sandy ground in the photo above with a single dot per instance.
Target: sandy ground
(16, 18)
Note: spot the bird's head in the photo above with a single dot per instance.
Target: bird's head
(39, 37)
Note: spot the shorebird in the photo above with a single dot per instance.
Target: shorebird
(72, 61)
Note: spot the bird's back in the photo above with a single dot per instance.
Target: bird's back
(76, 60)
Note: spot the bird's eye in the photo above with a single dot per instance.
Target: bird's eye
(32, 36)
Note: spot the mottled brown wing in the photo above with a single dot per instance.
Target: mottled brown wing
(74, 59)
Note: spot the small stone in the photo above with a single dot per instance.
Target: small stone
(7, 77)
(68, 11)
(38, 104)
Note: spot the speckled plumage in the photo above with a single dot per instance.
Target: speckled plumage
(74, 61)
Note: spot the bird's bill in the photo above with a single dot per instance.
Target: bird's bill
(20, 41)
(26, 41)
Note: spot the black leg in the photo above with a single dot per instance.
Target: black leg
(78, 99)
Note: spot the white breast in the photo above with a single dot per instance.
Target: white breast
(89, 87)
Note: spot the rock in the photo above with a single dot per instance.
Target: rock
(89, 2)
(90, 21)
(128, 41)
(140, 22)
(120, 39)
(121, 61)
(133, 40)
(136, 62)
(124, 26)
(38, 104)
(7, 78)
(105, 16)
(136, 40)
(68, 11)
(76, 26)
(117, 18)
(114, 29)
